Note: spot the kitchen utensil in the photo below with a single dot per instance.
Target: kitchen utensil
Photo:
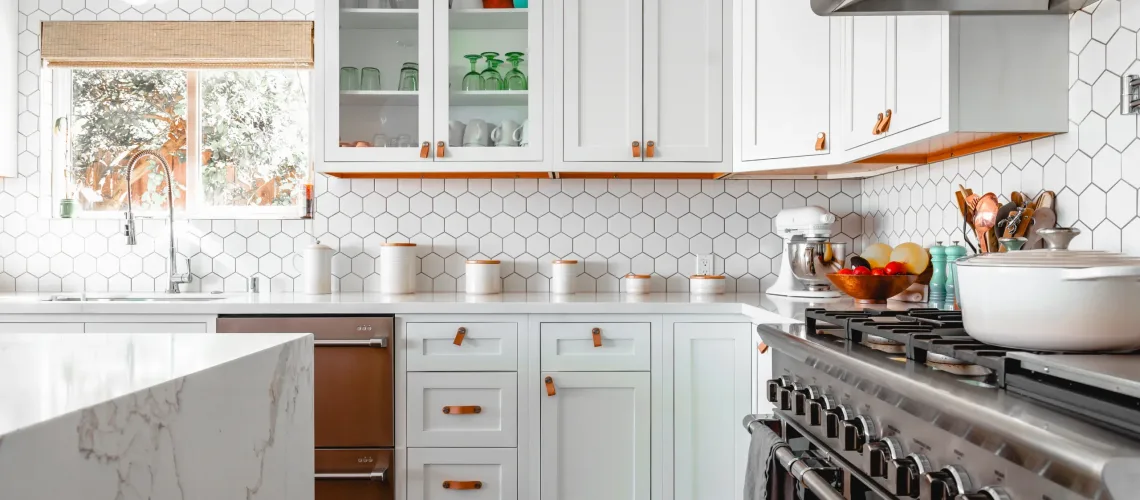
(349, 78)
(1058, 238)
(476, 135)
(868, 289)
(1066, 300)
(369, 79)
(515, 79)
(472, 80)
(1018, 230)
(1012, 244)
(1047, 199)
(455, 130)
(1043, 218)
(315, 266)
(505, 134)
(410, 77)
(985, 219)
(1003, 216)
(1019, 198)
(967, 215)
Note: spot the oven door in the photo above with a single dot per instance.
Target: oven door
(354, 474)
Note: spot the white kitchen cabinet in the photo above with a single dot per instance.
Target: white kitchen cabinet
(462, 474)
(711, 367)
(482, 346)
(786, 77)
(463, 410)
(598, 346)
(864, 77)
(919, 48)
(595, 436)
(643, 81)
(41, 327)
(9, 73)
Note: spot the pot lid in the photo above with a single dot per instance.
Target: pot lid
(1066, 259)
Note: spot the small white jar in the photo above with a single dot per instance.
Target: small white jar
(637, 284)
(706, 284)
(483, 277)
(398, 268)
(562, 275)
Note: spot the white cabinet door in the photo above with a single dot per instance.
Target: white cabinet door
(602, 74)
(9, 109)
(786, 80)
(595, 437)
(865, 77)
(712, 391)
(145, 327)
(684, 64)
(915, 76)
(41, 327)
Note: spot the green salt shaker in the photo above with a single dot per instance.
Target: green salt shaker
(953, 253)
(938, 276)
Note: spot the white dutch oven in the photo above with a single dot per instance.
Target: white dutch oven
(1052, 300)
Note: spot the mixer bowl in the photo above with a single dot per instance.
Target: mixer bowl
(813, 260)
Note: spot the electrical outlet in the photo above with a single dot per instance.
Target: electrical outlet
(704, 264)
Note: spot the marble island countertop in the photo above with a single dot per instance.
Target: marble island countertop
(156, 416)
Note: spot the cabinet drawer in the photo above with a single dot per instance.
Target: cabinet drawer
(490, 474)
(484, 347)
(462, 410)
(571, 347)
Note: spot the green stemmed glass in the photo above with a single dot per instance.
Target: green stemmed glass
(492, 78)
(515, 79)
(472, 80)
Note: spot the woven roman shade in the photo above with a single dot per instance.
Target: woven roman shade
(177, 44)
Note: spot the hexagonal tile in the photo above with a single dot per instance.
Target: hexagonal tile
(1121, 51)
(1091, 62)
(1121, 204)
(1121, 130)
(1106, 20)
(1078, 172)
(1080, 31)
(1092, 206)
(1130, 238)
(771, 245)
(1092, 134)
(1106, 94)
(1106, 168)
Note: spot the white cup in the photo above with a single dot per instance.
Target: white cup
(522, 136)
(455, 130)
(476, 134)
(504, 134)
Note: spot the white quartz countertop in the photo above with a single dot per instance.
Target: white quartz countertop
(47, 376)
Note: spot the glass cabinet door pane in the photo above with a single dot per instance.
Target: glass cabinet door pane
(489, 59)
(383, 97)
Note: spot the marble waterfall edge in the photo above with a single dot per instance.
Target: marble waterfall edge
(239, 430)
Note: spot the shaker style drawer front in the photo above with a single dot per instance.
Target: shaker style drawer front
(595, 346)
(462, 347)
(466, 474)
(463, 410)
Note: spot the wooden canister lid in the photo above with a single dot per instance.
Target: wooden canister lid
(707, 277)
(565, 262)
(398, 244)
(483, 262)
(637, 276)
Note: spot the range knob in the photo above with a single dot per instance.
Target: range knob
(785, 402)
(774, 386)
(877, 454)
(987, 493)
(801, 398)
(905, 474)
(945, 484)
(856, 433)
(817, 409)
(833, 421)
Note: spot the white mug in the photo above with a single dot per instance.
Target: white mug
(475, 135)
(455, 130)
(522, 135)
(504, 134)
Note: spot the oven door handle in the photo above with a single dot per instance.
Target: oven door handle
(380, 475)
(381, 342)
(804, 473)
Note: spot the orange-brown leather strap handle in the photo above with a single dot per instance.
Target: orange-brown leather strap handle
(878, 125)
(597, 333)
(637, 149)
(820, 141)
(425, 149)
(649, 149)
(462, 410)
(439, 149)
(462, 485)
(886, 123)
(460, 334)
(762, 347)
(549, 386)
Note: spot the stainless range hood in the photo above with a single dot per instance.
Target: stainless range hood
(906, 7)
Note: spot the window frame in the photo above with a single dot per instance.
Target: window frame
(58, 105)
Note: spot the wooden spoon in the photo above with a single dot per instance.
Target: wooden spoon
(1017, 198)
(985, 219)
(1042, 218)
(1047, 199)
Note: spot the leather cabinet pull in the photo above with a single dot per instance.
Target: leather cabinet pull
(425, 149)
(762, 347)
(460, 334)
(549, 386)
(462, 410)
(597, 333)
(886, 123)
(637, 149)
(462, 485)
(649, 149)
(878, 125)
(439, 149)
(820, 141)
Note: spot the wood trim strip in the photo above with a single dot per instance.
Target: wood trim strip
(967, 148)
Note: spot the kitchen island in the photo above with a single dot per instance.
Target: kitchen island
(156, 416)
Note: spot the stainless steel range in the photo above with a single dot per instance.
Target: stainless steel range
(886, 405)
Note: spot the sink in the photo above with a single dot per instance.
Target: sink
(136, 298)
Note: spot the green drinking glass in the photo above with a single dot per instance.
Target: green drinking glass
(472, 80)
(492, 78)
(515, 79)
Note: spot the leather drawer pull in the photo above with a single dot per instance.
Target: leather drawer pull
(462, 410)
(550, 386)
(463, 485)
(649, 149)
(637, 149)
(460, 334)
(425, 149)
(820, 141)
(886, 123)
(439, 149)
(878, 125)
(762, 347)
(597, 333)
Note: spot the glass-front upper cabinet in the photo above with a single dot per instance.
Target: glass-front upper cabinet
(378, 81)
(489, 67)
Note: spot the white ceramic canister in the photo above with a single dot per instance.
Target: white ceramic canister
(562, 275)
(637, 284)
(315, 265)
(483, 277)
(706, 284)
(398, 268)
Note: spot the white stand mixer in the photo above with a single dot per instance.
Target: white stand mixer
(808, 255)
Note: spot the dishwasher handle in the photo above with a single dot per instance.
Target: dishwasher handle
(380, 342)
(380, 475)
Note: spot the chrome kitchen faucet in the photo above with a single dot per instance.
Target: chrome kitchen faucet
(129, 229)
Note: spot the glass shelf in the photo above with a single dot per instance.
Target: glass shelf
(488, 19)
(389, 19)
(490, 98)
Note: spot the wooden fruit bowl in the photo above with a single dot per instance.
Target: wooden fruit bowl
(868, 289)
